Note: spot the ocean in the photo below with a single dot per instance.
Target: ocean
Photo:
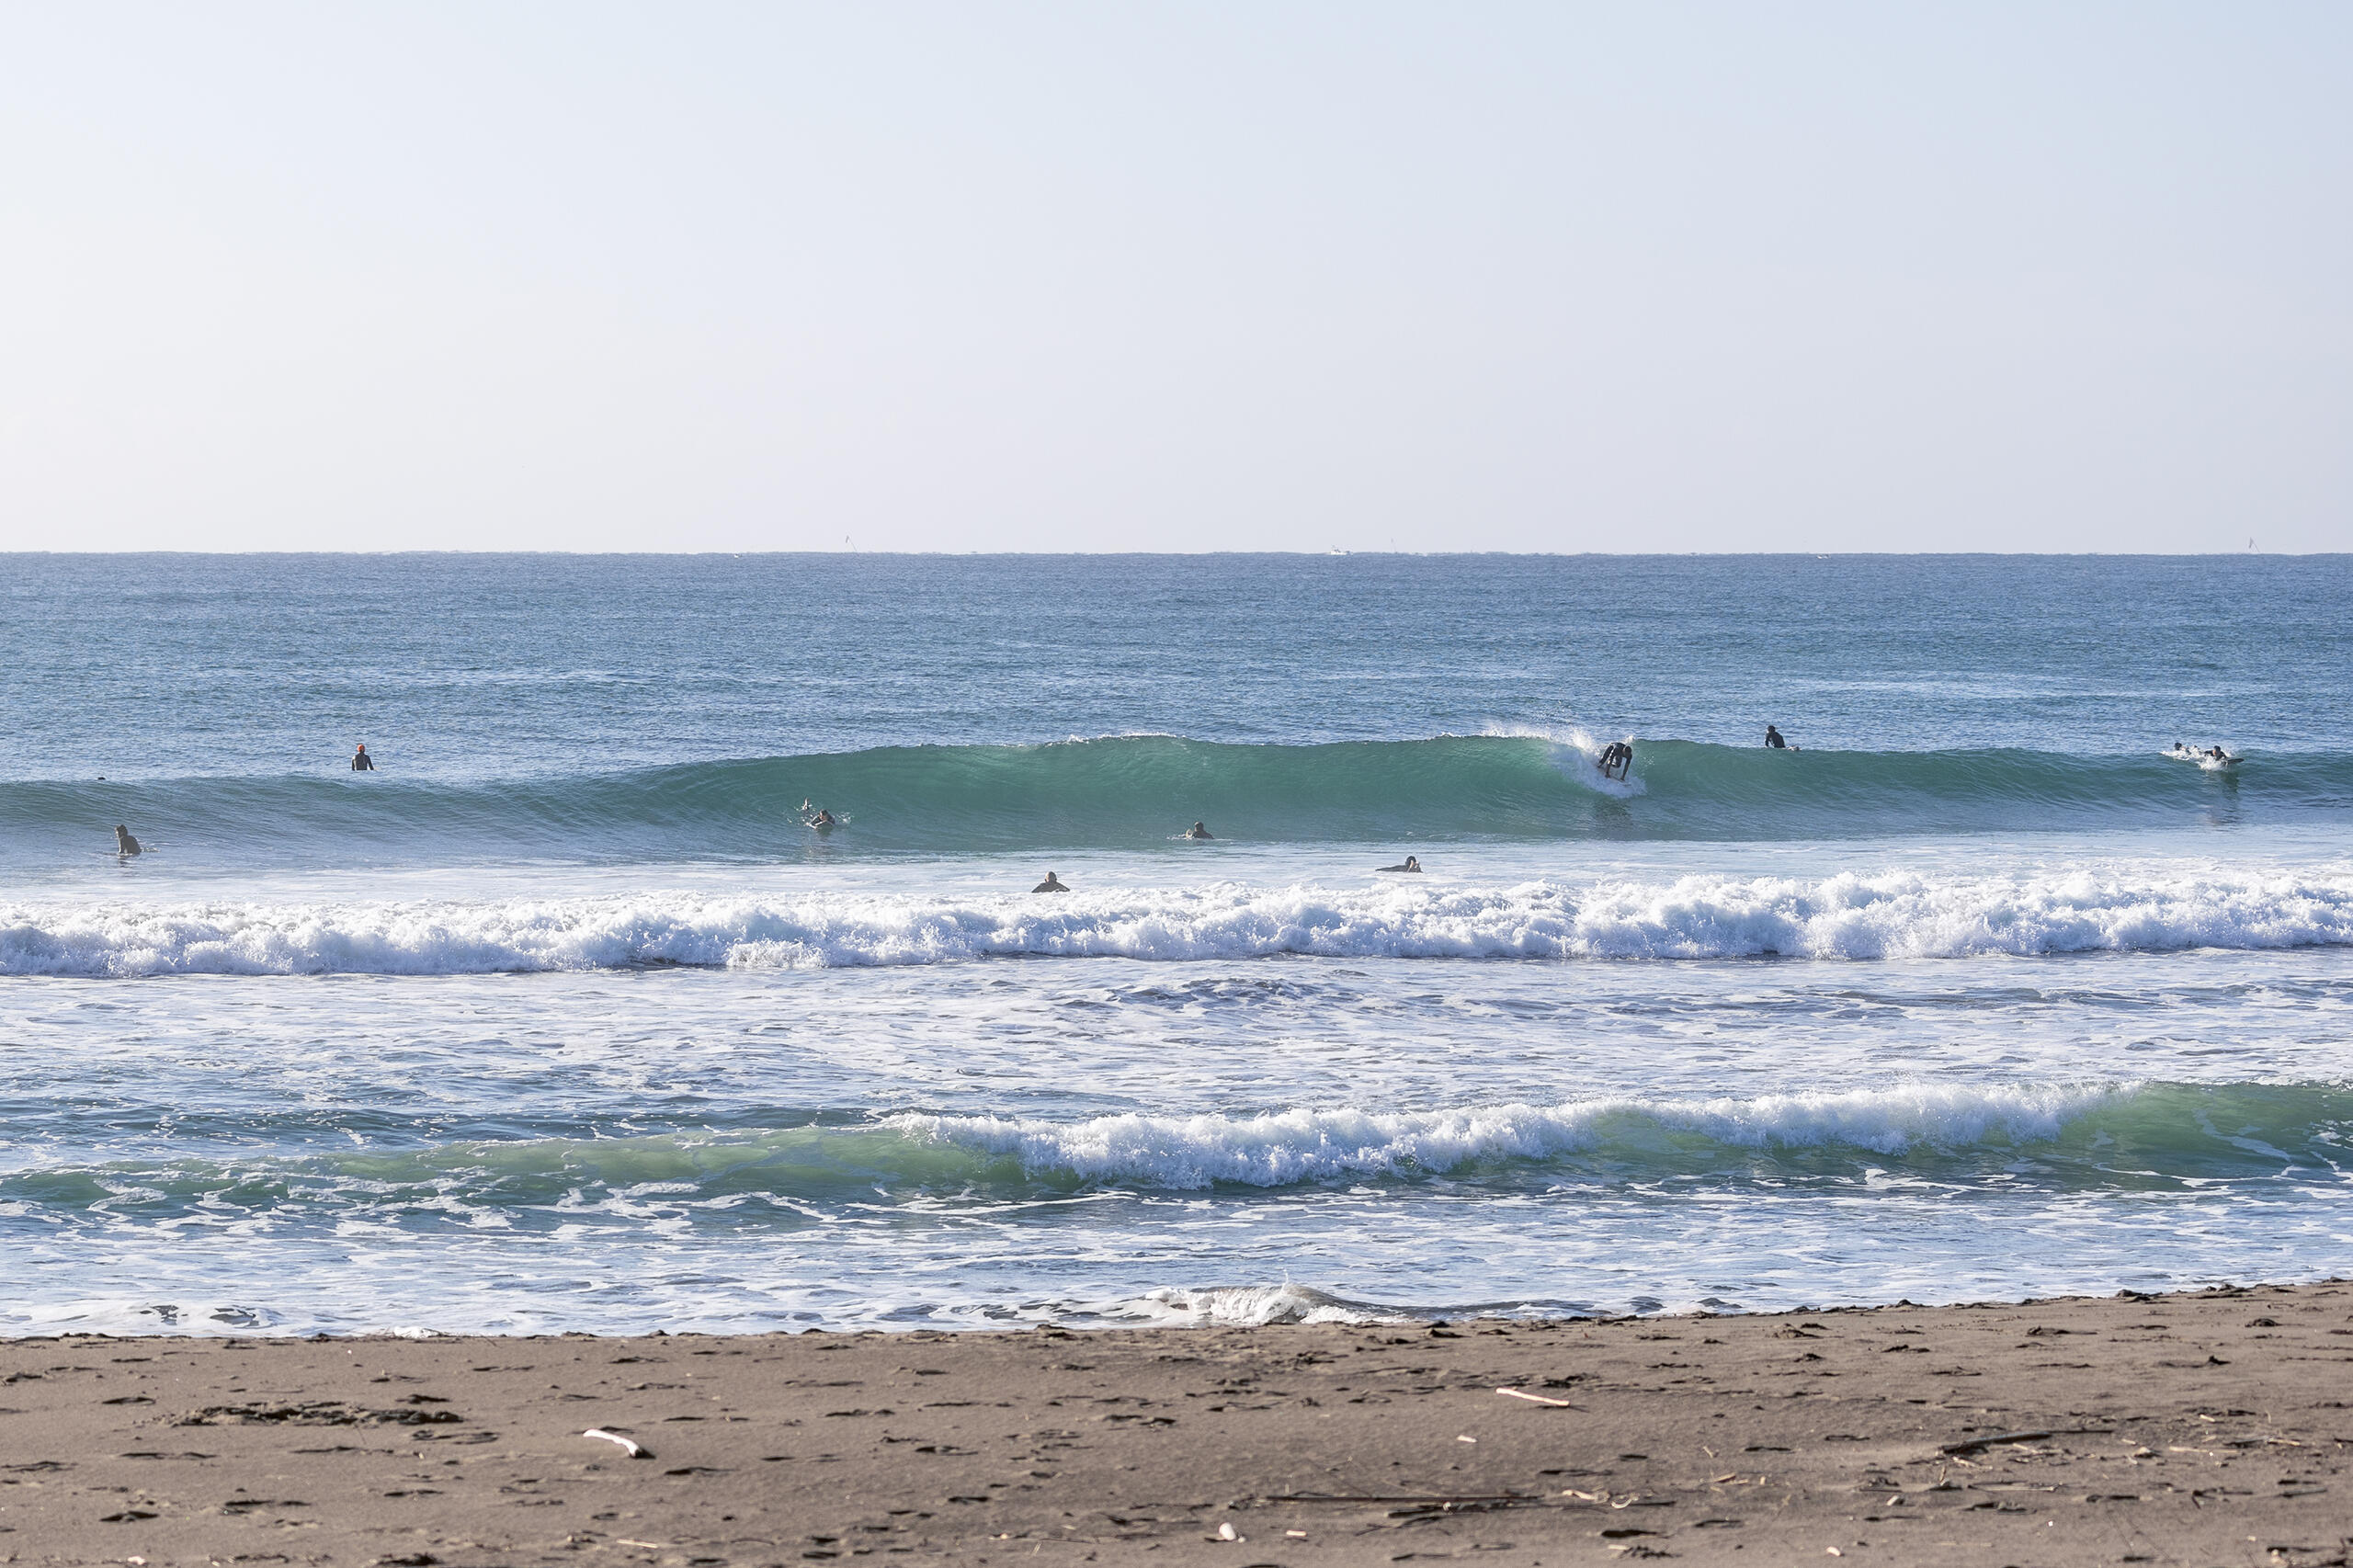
(561, 1019)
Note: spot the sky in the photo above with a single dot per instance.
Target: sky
(1134, 276)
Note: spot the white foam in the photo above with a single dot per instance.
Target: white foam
(1250, 1306)
(1845, 917)
(1577, 754)
(1283, 1148)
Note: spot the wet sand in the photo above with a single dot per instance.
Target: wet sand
(2207, 1428)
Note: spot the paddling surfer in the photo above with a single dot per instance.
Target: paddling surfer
(1198, 831)
(1411, 865)
(1051, 884)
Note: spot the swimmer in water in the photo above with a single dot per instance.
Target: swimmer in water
(1051, 884)
(361, 762)
(1411, 865)
(123, 843)
(1198, 831)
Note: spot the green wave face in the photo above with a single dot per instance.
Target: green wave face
(2150, 1139)
(1139, 792)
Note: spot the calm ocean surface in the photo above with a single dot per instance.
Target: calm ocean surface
(562, 1020)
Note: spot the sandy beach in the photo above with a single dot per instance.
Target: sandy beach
(2177, 1429)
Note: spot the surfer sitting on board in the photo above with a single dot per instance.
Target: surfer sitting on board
(361, 762)
(1774, 741)
(1051, 884)
(124, 844)
(1197, 831)
(1411, 865)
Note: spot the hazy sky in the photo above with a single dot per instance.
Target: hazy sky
(1114, 276)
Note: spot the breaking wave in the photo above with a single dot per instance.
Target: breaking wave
(1136, 791)
(1901, 916)
(2094, 1136)
(1287, 1148)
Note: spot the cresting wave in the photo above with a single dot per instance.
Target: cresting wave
(1137, 791)
(1291, 1147)
(1845, 917)
(2088, 1137)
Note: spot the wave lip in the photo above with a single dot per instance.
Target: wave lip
(1850, 916)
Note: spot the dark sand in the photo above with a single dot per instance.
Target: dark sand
(2207, 1428)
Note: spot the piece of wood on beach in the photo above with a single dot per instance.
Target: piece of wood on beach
(1979, 1444)
(635, 1450)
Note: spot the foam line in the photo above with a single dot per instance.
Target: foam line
(1845, 917)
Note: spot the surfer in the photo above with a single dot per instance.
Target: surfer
(123, 843)
(1051, 884)
(1617, 758)
(1773, 741)
(1198, 831)
(1411, 865)
(361, 762)
(820, 819)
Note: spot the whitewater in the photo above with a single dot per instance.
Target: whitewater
(1850, 917)
(563, 1019)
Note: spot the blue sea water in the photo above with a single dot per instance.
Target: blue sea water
(561, 1019)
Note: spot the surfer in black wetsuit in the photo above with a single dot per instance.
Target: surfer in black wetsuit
(1773, 740)
(124, 844)
(1411, 865)
(1617, 758)
(1051, 884)
(1198, 831)
(361, 762)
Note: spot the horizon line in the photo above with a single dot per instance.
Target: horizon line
(1204, 554)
